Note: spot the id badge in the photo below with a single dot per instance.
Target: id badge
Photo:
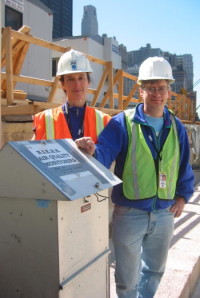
(162, 180)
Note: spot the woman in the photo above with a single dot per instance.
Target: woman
(74, 119)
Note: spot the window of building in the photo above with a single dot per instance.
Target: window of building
(54, 66)
(13, 18)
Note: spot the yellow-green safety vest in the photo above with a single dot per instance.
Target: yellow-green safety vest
(140, 179)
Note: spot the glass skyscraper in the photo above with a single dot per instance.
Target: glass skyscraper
(62, 17)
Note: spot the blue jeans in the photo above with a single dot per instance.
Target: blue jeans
(141, 242)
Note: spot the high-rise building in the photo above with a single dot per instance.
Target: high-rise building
(182, 65)
(89, 26)
(188, 68)
(123, 54)
(138, 56)
(62, 17)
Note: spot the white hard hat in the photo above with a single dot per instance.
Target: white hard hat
(155, 68)
(73, 62)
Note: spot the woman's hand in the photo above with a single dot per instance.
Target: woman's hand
(86, 144)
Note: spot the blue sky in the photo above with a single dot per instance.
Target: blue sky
(172, 26)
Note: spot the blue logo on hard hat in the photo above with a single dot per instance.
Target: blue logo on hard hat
(74, 64)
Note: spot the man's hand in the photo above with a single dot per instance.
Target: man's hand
(86, 144)
(178, 207)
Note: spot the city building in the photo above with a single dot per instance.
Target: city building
(89, 25)
(182, 66)
(62, 17)
(187, 62)
(138, 56)
(90, 42)
(123, 54)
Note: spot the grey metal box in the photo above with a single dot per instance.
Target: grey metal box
(50, 246)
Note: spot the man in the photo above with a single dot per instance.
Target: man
(151, 149)
(74, 119)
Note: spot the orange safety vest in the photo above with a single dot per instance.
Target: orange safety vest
(52, 124)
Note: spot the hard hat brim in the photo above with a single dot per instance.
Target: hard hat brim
(139, 81)
(72, 71)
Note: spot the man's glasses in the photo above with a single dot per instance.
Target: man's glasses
(151, 90)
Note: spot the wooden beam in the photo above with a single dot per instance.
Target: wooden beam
(110, 85)
(18, 110)
(124, 97)
(53, 89)
(35, 81)
(27, 109)
(46, 105)
(129, 76)
(29, 80)
(117, 76)
(96, 60)
(15, 51)
(131, 93)
(91, 91)
(39, 42)
(19, 60)
(100, 86)
(119, 81)
(109, 111)
(16, 44)
(3, 44)
(24, 29)
(109, 92)
(9, 66)
(104, 100)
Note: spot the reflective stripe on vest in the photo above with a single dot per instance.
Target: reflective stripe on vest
(49, 121)
(139, 175)
(176, 160)
(99, 122)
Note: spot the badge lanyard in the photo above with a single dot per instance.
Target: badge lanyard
(154, 146)
(162, 176)
(81, 128)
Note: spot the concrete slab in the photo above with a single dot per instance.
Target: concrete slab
(183, 266)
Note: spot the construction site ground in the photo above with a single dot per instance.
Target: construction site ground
(182, 276)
